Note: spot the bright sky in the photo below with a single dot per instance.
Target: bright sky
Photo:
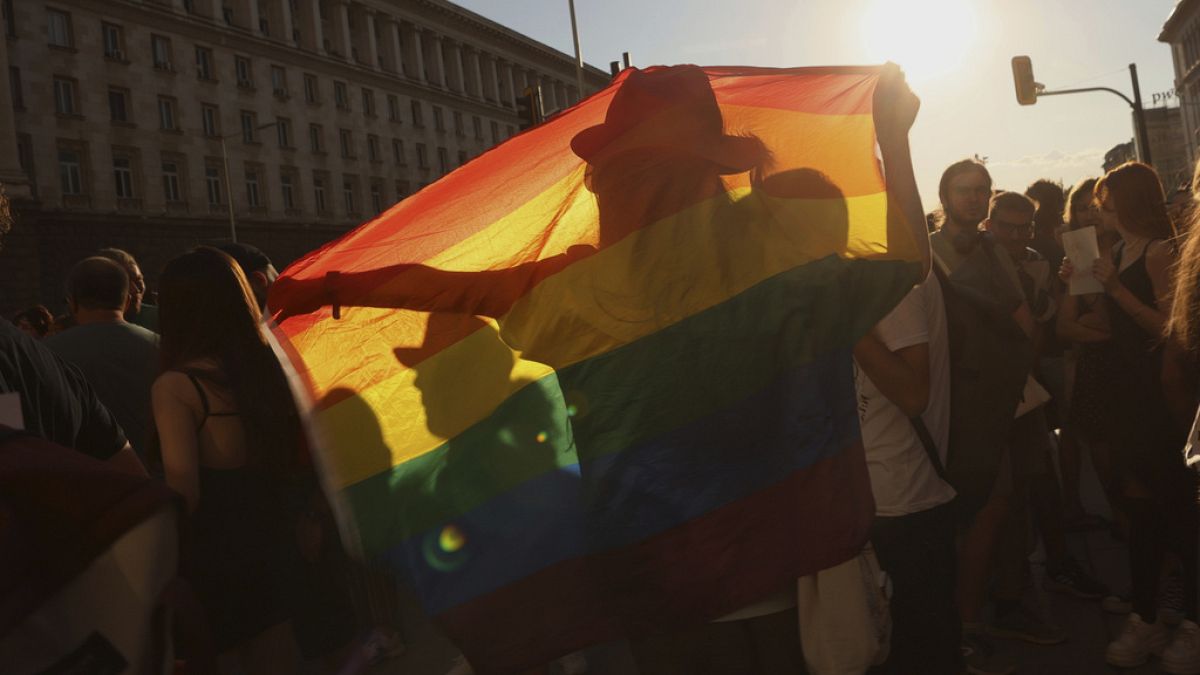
(956, 54)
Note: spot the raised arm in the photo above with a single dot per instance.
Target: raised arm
(895, 110)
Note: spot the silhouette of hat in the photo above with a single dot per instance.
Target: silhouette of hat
(672, 109)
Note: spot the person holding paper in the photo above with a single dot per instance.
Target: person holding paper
(1158, 490)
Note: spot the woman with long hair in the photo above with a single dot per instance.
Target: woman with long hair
(1155, 486)
(1082, 320)
(230, 441)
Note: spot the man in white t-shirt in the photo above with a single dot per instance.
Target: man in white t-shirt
(903, 374)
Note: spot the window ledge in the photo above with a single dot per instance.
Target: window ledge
(175, 132)
(68, 116)
(62, 48)
(124, 124)
(129, 204)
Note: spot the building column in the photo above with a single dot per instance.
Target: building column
(15, 181)
(508, 81)
(458, 67)
(439, 60)
(312, 36)
(252, 14)
(475, 58)
(419, 50)
(372, 45)
(397, 47)
(549, 95)
(285, 20)
(341, 28)
(215, 10)
(495, 70)
(523, 79)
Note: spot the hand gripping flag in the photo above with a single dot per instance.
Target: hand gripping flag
(597, 382)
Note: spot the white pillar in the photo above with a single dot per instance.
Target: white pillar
(397, 47)
(418, 50)
(439, 60)
(458, 67)
(341, 15)
(475, 57)
(495, 70)
(372, 42)
(512, 88)
(312, 33)
(285, 17)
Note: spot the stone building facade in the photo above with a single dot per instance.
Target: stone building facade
(1182, 32)
(120, 116)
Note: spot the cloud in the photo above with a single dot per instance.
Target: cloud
(1054, 159)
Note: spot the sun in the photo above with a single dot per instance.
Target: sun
(926, 37)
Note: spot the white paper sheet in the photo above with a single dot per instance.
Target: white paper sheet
(1082, 250)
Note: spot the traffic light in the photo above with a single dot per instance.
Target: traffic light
(1027, 88)
(529, 107)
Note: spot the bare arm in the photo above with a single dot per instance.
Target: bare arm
(1069, 325)
(176, 421)
(902, 376)
(1152, 318)
(895, 111)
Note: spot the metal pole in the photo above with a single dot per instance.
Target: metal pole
(578, 54)
(1139, 115)
(228, 193)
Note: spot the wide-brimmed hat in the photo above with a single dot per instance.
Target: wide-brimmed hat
(670, 109)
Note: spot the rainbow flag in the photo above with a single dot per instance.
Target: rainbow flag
(597, 382)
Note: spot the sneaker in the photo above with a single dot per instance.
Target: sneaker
(980, 658)
(381, 645)
(1070, 578)
(1138, 640)
(1170, 600)
(1024, 624)
(1118, 603)
(1182, 656)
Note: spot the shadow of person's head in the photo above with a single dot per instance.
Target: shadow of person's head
(450, 380)
(662, 146)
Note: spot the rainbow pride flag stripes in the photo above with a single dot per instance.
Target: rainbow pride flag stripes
(570, 401)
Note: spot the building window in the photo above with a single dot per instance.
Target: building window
(509, 130)
(347, 142)
(114, 41)
(422, 159)
(377, 198)
(373, 147)
(478, 124)
(249, 123)
(458, 124)
(401, 189)
(283, 128)
(393, 103)
(319, 194)
(58, 28)
(348, 195)
(316, 138)
(341, 98)
(210, 119)
(245, 75)
(279, 81)
(438, 123)
(462, 157)
(286, 191)
(170, 174)
(252, 188)
(166, 114)
(123, 177)
(416, 113)
(204, 63)
(15, 88)
(212, 182)
(443, 161)
(160, 50)
(368, 102)
(398, 151)
(495, 132)
(311, 91)
(65, 102)
(70, 172)
(118, 104)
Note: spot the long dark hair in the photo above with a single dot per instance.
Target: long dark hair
(207, 311)
(1137, 196)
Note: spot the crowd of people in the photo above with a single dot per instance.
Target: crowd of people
(979, 395)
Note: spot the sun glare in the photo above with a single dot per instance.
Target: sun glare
(926, 37)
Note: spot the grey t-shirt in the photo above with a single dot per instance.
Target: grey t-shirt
(120, 361)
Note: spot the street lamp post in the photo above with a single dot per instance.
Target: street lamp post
(229, 184)
(578, 53)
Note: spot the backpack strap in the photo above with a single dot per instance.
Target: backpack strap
(930, 447)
